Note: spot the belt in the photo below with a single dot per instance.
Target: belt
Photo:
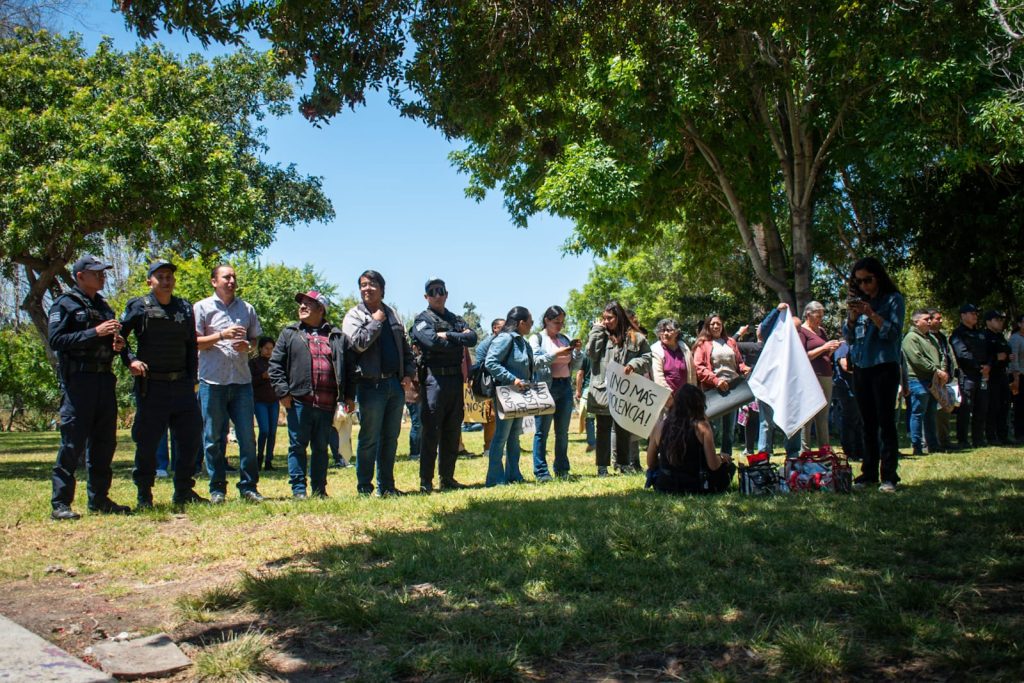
(165, 376)
(90, 367)
(379, 378)
(444, 372)
(559, 379)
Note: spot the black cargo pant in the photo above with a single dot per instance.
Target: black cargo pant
(88, 424)
(161, 405)
(442, 409)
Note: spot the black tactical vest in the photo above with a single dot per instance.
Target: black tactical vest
(165, 333)
(87, 317)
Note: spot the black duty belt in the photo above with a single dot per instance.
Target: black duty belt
(379, 378)
(444, 372)
(165, 376)
(77, 366)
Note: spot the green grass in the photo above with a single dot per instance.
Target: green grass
(579, 579)
(236, 658)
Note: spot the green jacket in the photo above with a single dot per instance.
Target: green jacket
(922, 354)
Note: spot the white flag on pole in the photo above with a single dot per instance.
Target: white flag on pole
(784, 379)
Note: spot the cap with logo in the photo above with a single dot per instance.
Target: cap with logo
(314, 295)
(157, 265)
(89, 262)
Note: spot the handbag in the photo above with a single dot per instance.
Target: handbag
(943, 396)
(481, 382)
(719, 403)
(821, 470)
(597, 400)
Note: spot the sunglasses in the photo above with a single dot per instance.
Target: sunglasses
(864, 280)
(436, 291)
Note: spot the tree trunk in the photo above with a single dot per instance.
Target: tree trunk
(802, 255)
(40, 283)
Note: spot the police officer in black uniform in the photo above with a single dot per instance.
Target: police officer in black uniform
(971, 349)
(165, 366)
(443, 337)
(997, 426)
(85, 335)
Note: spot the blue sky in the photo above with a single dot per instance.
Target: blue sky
(400, 206)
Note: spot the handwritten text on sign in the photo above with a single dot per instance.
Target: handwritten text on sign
(634, 401)
(475, 410)
(536, 400)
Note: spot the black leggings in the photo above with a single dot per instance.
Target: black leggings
(875, 388)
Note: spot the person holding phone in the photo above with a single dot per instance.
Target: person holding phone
(874, 331)
(819, 351)
(556, 358)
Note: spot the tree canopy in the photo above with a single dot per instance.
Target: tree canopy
(143, 146)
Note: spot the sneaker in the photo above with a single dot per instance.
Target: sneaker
(602, 471)
(299, 495)
(62, 512)
(452, 485)
(340, 463)
(391, 493)
(191, 497)
(109, 507)
(887, 487)
(252, 496)
(426, 487)
(161, 474)
(544, 478)
(217, 498)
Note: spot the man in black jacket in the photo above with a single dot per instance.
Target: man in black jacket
(85, 335)
(971, 349)
(308, 373)
(997, 425)
(444, 338)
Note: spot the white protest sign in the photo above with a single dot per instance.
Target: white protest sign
(512, 403)
(634, 401)
(784, 379)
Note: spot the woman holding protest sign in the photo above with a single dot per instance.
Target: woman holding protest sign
(719, 365)
(681, 454)
(510, 362)
(556, 358)
(615, 338)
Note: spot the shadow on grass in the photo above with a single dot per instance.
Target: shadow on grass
(815, 586)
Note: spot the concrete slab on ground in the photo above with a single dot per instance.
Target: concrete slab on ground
(149, 657)
(24, 656)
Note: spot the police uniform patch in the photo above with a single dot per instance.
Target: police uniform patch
(423, 325)
(55, 316)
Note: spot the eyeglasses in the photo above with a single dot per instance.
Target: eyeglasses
(864, 280)
(436, 291)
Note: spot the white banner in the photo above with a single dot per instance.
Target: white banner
(512, 403)
(634, 401)
(784, 379)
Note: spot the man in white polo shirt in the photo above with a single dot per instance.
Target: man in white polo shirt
(226, 328)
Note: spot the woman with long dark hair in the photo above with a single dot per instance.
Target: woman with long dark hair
(556, 358)
(265, 403)
(719, 363)
(613, 338)
(874, 331)
(681, 455)
(510, 362)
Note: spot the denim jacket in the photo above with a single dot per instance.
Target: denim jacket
(542, 359)
(509, 358)
(871, 346)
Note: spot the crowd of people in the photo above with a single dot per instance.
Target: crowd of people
(317, 371)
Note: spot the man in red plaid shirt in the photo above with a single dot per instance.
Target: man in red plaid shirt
(309, 376)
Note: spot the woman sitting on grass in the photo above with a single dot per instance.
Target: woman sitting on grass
(681, 455)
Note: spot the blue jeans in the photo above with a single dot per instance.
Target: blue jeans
(726, 424)
(266, 421)
(506, 439)
(220, 403)
(766, 435)
(308, 426)
(380, 420)
(561, 391)
(414, 429)
(922, 414)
